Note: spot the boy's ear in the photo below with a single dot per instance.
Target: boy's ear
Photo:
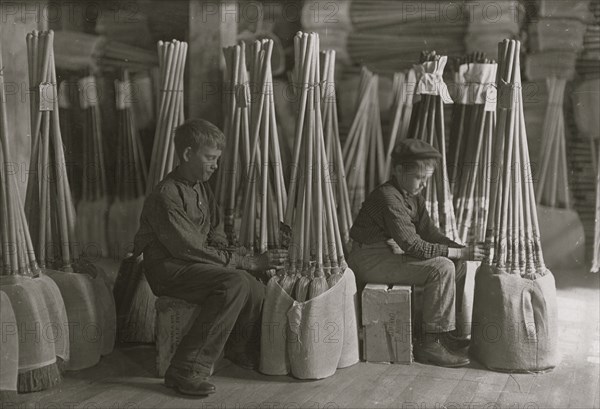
(186, 154)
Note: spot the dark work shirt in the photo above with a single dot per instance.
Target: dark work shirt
(179, 220)
(390, 212)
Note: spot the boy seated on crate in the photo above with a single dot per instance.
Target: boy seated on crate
(184, 258)
(395, 242)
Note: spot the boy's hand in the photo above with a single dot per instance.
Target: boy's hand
(270, 259)
(475, 252)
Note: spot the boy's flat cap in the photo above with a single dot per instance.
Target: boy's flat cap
(414, 149)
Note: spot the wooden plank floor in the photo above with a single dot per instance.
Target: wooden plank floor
(125, 379)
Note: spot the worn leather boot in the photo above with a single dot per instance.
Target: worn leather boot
(434, 352)
(189, 382)
(453, 342)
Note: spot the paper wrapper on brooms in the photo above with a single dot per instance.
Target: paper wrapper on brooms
(51, 217)
(427, 124)
(316, 287)
(131, 174)
(136, 303)
(514, 313)
(471, 138)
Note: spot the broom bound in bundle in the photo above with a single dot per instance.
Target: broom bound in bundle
(265, 194)
(364, 150)
(130, 176)
(333, 147)
(92, 209)
(427, 124)
(235, 161)
(473, 124)
(316, 259)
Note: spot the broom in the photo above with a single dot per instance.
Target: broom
(91, 210)
(552, 187)
(333, 148)
(363, 151)
(131, 173)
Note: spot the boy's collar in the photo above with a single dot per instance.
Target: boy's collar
(396, 184)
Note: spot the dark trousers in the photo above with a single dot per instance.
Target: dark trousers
(230, 300)
(377, 264)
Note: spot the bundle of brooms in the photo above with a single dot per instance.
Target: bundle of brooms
(402, 104)
(93, 206)
(427, 124)
(311, 229)
(18, 260)
(472, 129)
(552, 187)
(235, 161)
(48, 204)
(171, 58)
(513, 288)
(364, 150)
(130, 174)
(52, 219)
(134, 299)
(333, 147)
(512, 236)
(265, 194)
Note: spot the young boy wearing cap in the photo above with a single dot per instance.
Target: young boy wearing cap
(395, 242)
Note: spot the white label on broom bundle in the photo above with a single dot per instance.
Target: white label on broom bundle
(491, 96)
(430, 81)
(47, 95)
(123, 93)
(478, 77)
(88, 92)
(63, 95)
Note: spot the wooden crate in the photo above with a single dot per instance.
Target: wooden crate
(387, 323)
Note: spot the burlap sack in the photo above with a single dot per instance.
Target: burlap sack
(350, 353)
(514, 321)
(316, 333)
(273, 356)
(58, 332)
(85, 326)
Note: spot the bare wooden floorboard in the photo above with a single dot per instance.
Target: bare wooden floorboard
(126, 378)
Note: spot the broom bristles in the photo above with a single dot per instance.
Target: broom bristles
(287, 283)
(301, 288)
(318, 286)
(39, 379)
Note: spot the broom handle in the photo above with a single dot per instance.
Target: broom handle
(298, 132)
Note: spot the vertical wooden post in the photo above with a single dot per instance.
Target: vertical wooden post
(212, 26)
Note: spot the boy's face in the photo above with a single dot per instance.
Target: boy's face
(413, 179)
(203, 162)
